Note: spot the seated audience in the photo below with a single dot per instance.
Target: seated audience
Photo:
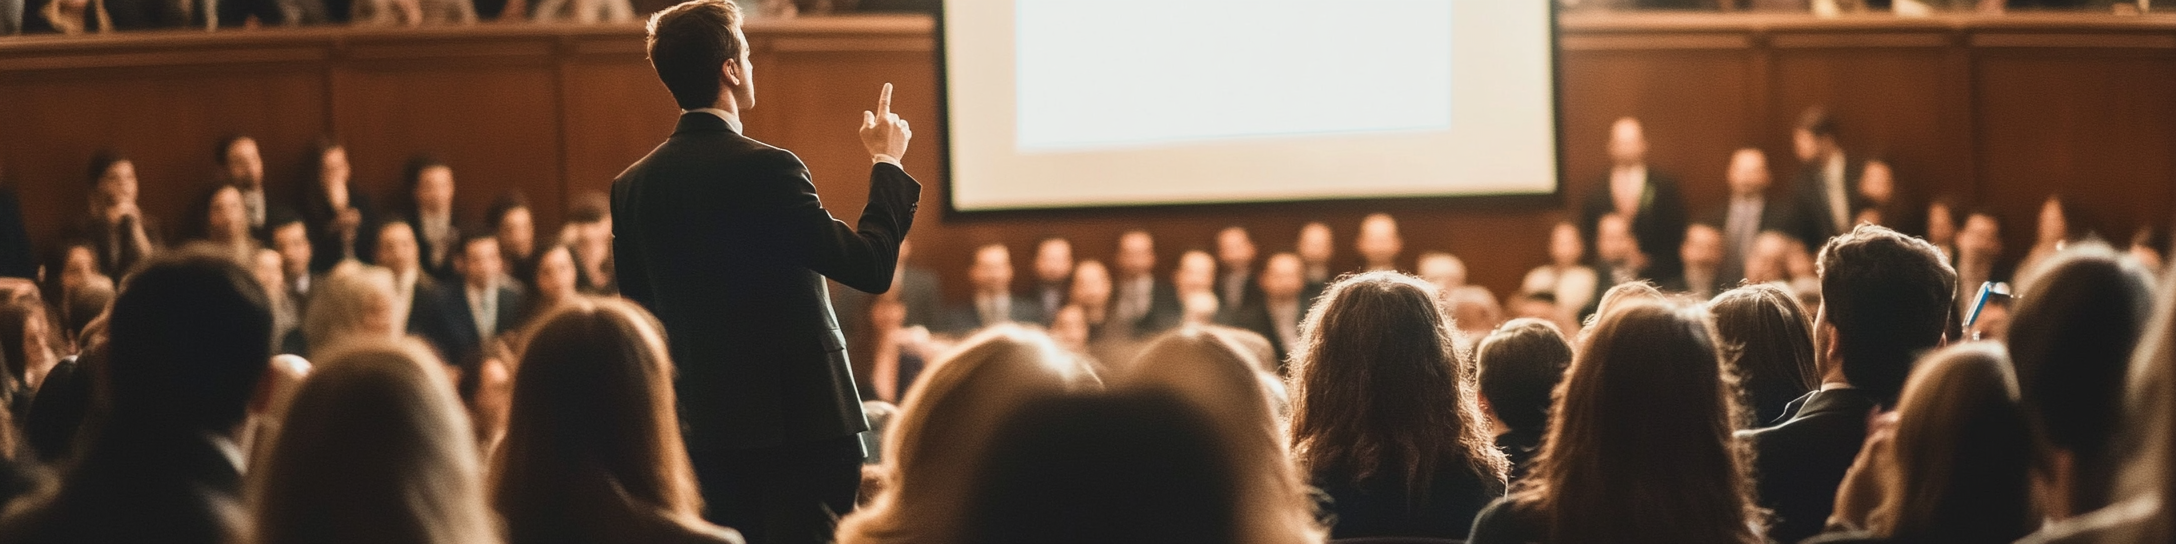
(1953, 463)
(1978, 258)
(1378, 243)
(1942, 227)
(286, 233)
(1282, 305)
(374, 449)
(1142, 305)
(1445, 270)
(191, 333)
(1639, 446)
(1650, 202)
(2071, 338)
(589, 230)
(1474, 312)
(1566, 279)
(514, 224)
(592, 450)
(1768, 341)
(357, 300)
(1518, 367)
(1316, 247)
(583, 11)
(949, 416)
(553, 281)
(340, 216)
(119, 231)
(901, 352)
(1886, 298)
(1620, 259)
(480, 307)
(1382, 417)
(220, 219)
(2053, 233)
(411, 13)
(993, 302)
(1621, 296)
(1874, 199)
(428, 314)
(1701, 255)
(1210, 369)
(429, 210)
(1235, 284)
(1053, 274)
(242, 166)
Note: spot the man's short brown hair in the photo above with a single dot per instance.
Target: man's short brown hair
(1890, 297)
(689, 43)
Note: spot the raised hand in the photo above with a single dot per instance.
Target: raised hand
(883, 133)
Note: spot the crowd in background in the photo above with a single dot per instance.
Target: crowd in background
(105, 16)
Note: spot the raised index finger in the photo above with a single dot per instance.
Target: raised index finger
(884, 102)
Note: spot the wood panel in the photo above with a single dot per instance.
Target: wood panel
(2095, 129)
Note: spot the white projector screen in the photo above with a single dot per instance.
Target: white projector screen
(1096, 103)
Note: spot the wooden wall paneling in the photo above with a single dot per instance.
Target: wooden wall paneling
(1871, 93)
(2094, 126)
(1694, 104)
(615, 111)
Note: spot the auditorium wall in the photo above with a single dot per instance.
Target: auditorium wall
(1998, 111)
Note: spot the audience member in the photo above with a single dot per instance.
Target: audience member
(190, 336)
(65, 403)
(1445, 270)
(1384, 420)
(357, 301)
(1316, 247)
(339, 214)
(1195, 275)
(219, 219)
(1621, 260)
(553, 282)
(2147, 246)
(1210, 368)
(1979, 252)
(1518, 367)
(589, 230)
(374, 449)
(1567, 279)
(1639, 446)
(947, 418)
(2054, 232)
(430, 212)
(429, 314)
(1749, 212)
(1283, 305)
(241, 166)
(1621, 296)
(270, 271)
(1235, 284)
(993, 302)
(918, 289)
(1953, 463)
(1474, 313)
(901, 352)
(1942, 228)
(1053, 275)
(1090, 290)
(1378, 243)
(2071, 338)
(592, 450)
(287, 234)
(1701, 275)
(1768, 341)
(1142, 305)
(120, 233)
(1649, 201)
(1885, 298)
(1823, 187)
(26, 343)
(512, 222)
(1874, 198)
(481, 307)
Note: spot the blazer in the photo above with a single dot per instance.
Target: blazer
(724, 239)
(430, 318)
(1803, 460)
(326, 247)
(424, 248)
(458, 321)
(1659, 225)
(1811, 220)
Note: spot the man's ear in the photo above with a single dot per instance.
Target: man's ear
(1830, 349)
(729, 74)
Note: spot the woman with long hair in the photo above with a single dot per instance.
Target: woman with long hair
(1768, 340)
(1639, 446)
(2071, 336)
(2146, 484)
(373, 449)
(1211, 370)
(1385, 417)
(946, 420)
(592, 451)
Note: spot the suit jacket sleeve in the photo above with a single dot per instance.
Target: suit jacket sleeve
(861, 257)
(628, 259)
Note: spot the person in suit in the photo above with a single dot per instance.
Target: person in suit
(242, 165)
(481, 305)
(1053, 275)
(1235, 284)
(340, 214)
(1822, 191)
(428, 316)
(1648, 198)
(190, 336)
(1701, 257)
(511, 220)
(285, 232)
(1885, 298)
(1619, 258)
(1141, 303)
(723, 238)
(1315, 248)
(118, 229)
(1283, 304)
(993, 302)
(1748, 213)
(1378, 243)
(589, 231)
(429, 184)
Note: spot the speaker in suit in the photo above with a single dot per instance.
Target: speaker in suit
(724, 239)
(1803, 460)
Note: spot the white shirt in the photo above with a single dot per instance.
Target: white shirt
(1627, 186)
(1133, 298)
(483, 306)
(439, 232)
(1839, 205)
(994, 309)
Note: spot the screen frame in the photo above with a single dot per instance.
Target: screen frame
(1553, 198)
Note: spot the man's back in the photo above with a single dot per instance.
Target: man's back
(171, 489)
(1803, 460)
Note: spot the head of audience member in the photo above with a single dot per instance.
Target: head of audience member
(511, 221)
(947, 418)
(1198, 308)
(1474, 311)
(1316, 244)
(1769, 262)
(1646, 405)
(699, 52)
(332, 172)
(1767, 339)
(1070, 329)
(239, 162)
(1702, 250)
(1541, 305)
(113, 187)
(1211, 369)
(190, 334)
(2147, 245)
(1379, 242)
(2147, 473)
(397, 250)
(1518, 367)
(374, 447)
(1566, 247)
(593, 440)
(1627, 143)
(1942, 224)
(1962, 454)
(1379, 390)
(430, 188)
(1885, 299)
(1748, 175)
(291, 237)
(78, 265)
(2054, 223)
(1141, 465)
(480, 264)
(1877, 182)
(1614, 243)
(1814, 137)
(1445, 270)
(1053, 261)
(1980, 240)
(1618, 297)
(225, 219)
(355, 301)
(589, 230)
(555, 279)
(1283, 276)
(1196, 273)
(88, 302)
(26, 338)
(2071, 336)
(1235, 249)
(1091, 289)
(992, 271)
(1136, 256)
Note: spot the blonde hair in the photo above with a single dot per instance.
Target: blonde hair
(373, 448)
(1215, 372)
(946, 420)
(341, 304)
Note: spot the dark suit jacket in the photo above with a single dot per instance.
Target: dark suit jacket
(1165, 311)
(1659, 226)
(459, 323)
(724, 239)
(326, 248)
(116, 253)
(133, 485)
(441, 270)
(1810, 218)
(1802, 461)
(1774, 215)
(430, 317)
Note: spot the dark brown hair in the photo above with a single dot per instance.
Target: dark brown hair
(1639, 445)
(689, 43)
(2071, 337)
(1888, 295)
(1768, 340)
(1963, 454)
(1520, 365)
(1379, 388)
